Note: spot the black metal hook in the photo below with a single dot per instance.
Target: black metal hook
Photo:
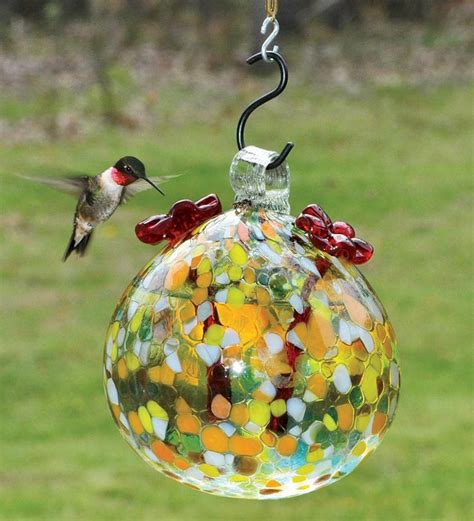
(278, 58)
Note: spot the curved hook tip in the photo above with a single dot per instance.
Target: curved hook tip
(281, 158)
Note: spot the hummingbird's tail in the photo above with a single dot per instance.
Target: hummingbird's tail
(79, 248)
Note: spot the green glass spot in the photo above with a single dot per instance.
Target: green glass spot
(383, 404)
(172, 437)
(354, 437)
(300, 384)
(322, 436)
(136, 389)
(152, 389)
(333, 413)
(337, 439)
(262, 278)
(191, 442)
(247, 380)
(123, 388)
(279, 285)
(145, 331)
(356, 397)
(238, 394)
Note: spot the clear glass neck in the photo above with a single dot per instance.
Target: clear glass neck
(256, 186)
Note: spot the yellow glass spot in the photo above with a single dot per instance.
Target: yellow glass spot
(359, 449)
(278, 407)
(197, 332)
(235, 272)
(238, 255)
(145, 419)
(315, 455)
(114, 329)
(204, 266)
(114, 352)
(259, 412)
(247, 289)
(156, 410)
(137, 319)
(214, 335)
(132, 361)
(237, 478)
(362, 421)
(369, 385)
(235, 297)
(209, 470)
(298, 479)
(319, 308)
(330, 424)
(376, 362)
(265, 457)
(305, 469)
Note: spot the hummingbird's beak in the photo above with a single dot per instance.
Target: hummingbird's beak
(149, 181)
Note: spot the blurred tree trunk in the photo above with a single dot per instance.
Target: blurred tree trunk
(411, 9)
(37, 9)
(108, 34)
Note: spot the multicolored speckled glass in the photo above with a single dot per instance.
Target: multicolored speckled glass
(245, 363)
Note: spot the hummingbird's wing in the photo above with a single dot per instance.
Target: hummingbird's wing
(74, 185)
(141, 185)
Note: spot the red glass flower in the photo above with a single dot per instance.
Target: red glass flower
(183, 217)
(336, 238)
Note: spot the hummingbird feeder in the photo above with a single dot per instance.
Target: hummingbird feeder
(250, 358)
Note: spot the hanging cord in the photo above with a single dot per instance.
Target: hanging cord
(271, 7)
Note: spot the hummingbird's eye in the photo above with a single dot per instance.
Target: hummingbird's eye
(128, 170)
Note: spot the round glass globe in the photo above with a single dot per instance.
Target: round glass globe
(246, 363)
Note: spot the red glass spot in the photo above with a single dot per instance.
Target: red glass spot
(218, 382)
(279, 424)
(322, 265)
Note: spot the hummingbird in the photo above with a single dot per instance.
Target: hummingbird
(99, 196)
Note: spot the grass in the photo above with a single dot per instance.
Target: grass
(395, 162)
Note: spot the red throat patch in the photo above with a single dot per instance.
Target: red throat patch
(121, 178)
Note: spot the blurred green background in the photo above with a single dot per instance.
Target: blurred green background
(380, 107)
